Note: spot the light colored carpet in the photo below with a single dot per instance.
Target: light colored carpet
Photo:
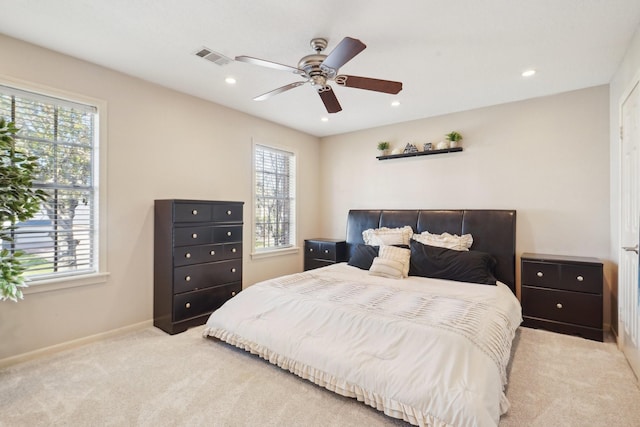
(149, 378)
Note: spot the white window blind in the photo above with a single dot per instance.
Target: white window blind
(275, 203)
(61, 240)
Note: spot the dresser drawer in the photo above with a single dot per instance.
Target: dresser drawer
(562, 306)
(196, 303)
(200, 276)
(224, 234)
(192, 212)
(188, 255)
(184, 236)
(227, 213)
(540, 274)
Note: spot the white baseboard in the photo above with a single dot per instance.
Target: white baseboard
(72, 344)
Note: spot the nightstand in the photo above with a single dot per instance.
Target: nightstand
(323, 252)
(562, 294)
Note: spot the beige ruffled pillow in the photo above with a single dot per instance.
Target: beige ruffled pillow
(445, 240)
(387, 236)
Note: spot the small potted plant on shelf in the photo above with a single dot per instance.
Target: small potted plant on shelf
(383, 148)
(453, 137)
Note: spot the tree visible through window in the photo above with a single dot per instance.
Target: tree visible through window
(61, 239)
(275, 178)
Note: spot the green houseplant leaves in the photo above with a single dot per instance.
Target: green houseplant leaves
(19, 201)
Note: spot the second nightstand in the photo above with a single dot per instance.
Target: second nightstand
(323, 252)
(562, 294)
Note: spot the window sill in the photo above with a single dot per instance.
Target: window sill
(64, 283)
(275, 252)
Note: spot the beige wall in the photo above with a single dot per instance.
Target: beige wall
(161, 144)
(548, 158)
(626, 76)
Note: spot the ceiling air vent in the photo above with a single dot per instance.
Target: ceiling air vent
(215, 57)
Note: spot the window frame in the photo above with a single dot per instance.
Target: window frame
(294, 248)
(100, 188)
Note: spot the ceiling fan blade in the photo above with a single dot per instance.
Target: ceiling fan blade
(329, 99)
(341, 54)
(269, 64)
(277, 91)
(386, 86)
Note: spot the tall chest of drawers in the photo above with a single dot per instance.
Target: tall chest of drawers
(197, 260)
(562, 294)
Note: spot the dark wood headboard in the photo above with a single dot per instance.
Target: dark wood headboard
(493, 231)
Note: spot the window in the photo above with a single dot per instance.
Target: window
(274, 199)
(62, 239)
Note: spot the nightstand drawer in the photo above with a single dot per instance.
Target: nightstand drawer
(311, 264)
(562, 306)
(582, 278)
(540, 274)
(322, 252)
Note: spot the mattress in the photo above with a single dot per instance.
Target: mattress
(428, 351)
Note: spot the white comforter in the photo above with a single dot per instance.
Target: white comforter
(430, 352)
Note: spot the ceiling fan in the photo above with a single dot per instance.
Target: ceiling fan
(318, 69)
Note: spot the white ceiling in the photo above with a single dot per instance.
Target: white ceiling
(451, 55)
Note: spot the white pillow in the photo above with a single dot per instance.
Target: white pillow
(400, 255)
(445, 240)
(384, 267)
(387, 236)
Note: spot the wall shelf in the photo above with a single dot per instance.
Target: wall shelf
(419, 153)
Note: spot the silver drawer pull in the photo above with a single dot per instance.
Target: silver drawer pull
(539, 274)
(234, 250)
(187, 255)
(228, 233)
(194, 236)
(228, 212)
(233, 270)
(558, 305)
(233, 294)
(212, 252)
(188, 278)
(580, 278)
(188, 305)
(194, 212)
(310, 249)
(326, 251)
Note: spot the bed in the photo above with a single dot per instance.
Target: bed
(430, 351)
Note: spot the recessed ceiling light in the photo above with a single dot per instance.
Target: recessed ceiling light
(528, 73)
(230, 80)
(325, 119)
(395, 103)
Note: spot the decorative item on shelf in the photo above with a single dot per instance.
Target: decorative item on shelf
(397, 150)
(410, 148)
(454, 138)
(383, 148)
(427, 146)
(442, 145)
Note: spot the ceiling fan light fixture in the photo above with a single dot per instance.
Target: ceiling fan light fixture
(319, 69)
